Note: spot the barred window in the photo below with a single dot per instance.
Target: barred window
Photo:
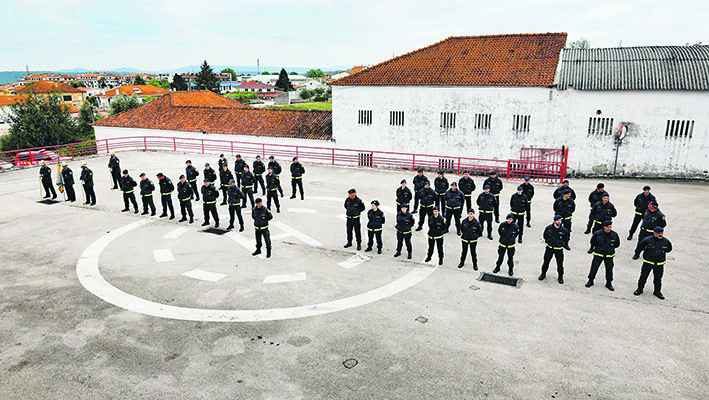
(364, 117)
(520, 123)
(396, 118)
(448, 120)
(482, 121)
(600, 126)
(679, 129)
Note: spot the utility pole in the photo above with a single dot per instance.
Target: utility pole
(258, 67)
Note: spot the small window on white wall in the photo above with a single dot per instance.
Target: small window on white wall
(520, 123)
(600, 126)
(679, 129)
(364, 117)
(448, 120)
(482, 121)
(396, 118)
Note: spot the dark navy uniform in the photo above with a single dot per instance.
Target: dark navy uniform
(87, 179)
(354, 208)
(593, 198)
(45, 174)
(191, 175)
(467, 186)
(146, 195)
(528, 190)
(404, 225)
(166, 189)
(566, 209)
(641, 202)
(114, 165)
(222, 162)
(556, 239)
(209, 204)
(277, 169)
(508, 232)
(403, 196)
(454, 208)
(440, 185)
(272, 185)
(261, 216)
(210, 175)
(247, 186)
(234, 198)
(496, 189)
(651, 219)
(560, 191)
(68, 178)
(224, 177)
(184, 195)
(471, 230)
(654, 251)
(428, 199)
(486, 206)
(436, 230)
(602, 212)
(518, 208)
(375, 221)
(296, 172)
(128, 187)
(258, 170)
(603, 245)
(418, 182)
(239, 165)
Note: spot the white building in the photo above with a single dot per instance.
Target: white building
(488, 96)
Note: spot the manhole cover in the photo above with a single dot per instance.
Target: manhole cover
(503, 280)
(422, 320)
(48, 201)
(215, 231)
(350, 363)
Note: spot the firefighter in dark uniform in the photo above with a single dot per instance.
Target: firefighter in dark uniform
(602, 211)
(428, 199)
(470, 233)
(276, 167)
(114, 166)
(296, 177)
(191, 175)
(354, 207)
(603, 245)
(222, 162)
(508, 231)
(375, 221)
(210, 194)
(654, 249)
(564, 186)
(239, 169)
(467, 186)
(225, 176)
(247, 186)
(404, 225)
(436, 230)
(259, 169)
(486, 206)
(146, 194)
(518, 208)
(272, 185)
(454, 207)
(166, 189)
(261, 216)
(87, 181)
(528, 190)
(403, 194)
(594, 198)
(209, 174)
(68, 178)
(128, 187)
(641, 202)
(440, 185)
(495, 188)
(651, 218)
(235, 196)
(45, 175)
(565, 207)
(184, 195)
(419, 180)
(556, 238)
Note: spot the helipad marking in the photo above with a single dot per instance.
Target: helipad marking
(204, 275)
(248, 244)
(87, 269)
(354, 261)
(295, 233)
(302, 210)
(163, 255)
(298, 276)
(175, 233)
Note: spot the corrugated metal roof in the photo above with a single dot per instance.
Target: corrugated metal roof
(635, 68)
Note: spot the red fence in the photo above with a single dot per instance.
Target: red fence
(541, 165)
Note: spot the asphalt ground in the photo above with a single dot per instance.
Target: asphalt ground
(382, 328)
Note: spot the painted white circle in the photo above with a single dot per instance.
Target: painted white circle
(87, 269)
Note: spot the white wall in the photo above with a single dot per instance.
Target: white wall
(558, 118)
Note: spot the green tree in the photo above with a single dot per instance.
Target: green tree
(293, 73)
(315, 73)
(206, 80)
(178, 83)
(231, 71)
(76, 84)
(305, 94)
(93, 100)
(283, 82)
(39, 121)
(88, 114)
(265, 73)
(159, 83)
(123, 103)
(580, 44)
(102, 82)
(138, 80)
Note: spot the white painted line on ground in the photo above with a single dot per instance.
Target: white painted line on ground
(204, 275)
(295, 233)
(175, 233)
(326, 198)
(342, 217)
(298, 276)
(87, 269)
(354, 261)
(302, 210)
(248, 244)
(163, 255)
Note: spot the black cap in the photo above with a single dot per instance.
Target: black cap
(221, 155)
(565, 181)
(142, 174)
(440, 172)
(375, 202)
(159, 175)
(182, 176)
(493, 172)
(420, 170)
(659, 229)
(646, 187)
(435, 209)
(605, 195)
(270, 157)
(607, 222)
(246, 166)
(600, 186)
(125, 172)
(557, 217)
(295, 158)
(225, 166)
(654, 203)
(206, 164)
(351, 191)
(520, 187)
(509, 216)
(466, 172)
(258, 156)
(526, 178)
(238, 155)
(404, 205)
(427, 183)
(486, 187)
(402, 181)
(188, 162)
(471, 210)
(566, 191)
(207, 180)
(258, 200)
(454, 184)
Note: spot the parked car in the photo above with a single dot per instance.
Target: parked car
(33, 157)
(5, 165)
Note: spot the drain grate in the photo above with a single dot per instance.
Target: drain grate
(503, 280)
(215, 231)
(48, 201)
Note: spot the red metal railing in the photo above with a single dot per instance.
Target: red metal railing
(541, 165)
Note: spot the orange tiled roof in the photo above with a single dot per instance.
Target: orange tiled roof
(498, 60)
(129, 90)
(8, 100)
(199, 111)
(47, 87)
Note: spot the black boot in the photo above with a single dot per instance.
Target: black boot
(268, 252)
(183, 219)
(398, 253)
(379, 250)
(216, 224)
(368, 249)
(241, 228)
(475, 266)
(257, 252)
(638, 292)
(172, 216)
(561, 279)
(359, 246)
(347, 245)
(440, 261)
(542, 276)
(408, 256)
(428, 258)
(589, 283)
(191, 220)
(609, 286)
(230, 227)
(496, 270)
(460, 265)
(510, 272)
(205, 223)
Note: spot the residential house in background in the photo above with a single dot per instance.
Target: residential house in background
(69, 95)
(142, 92)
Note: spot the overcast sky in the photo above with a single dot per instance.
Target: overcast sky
(145, 34)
